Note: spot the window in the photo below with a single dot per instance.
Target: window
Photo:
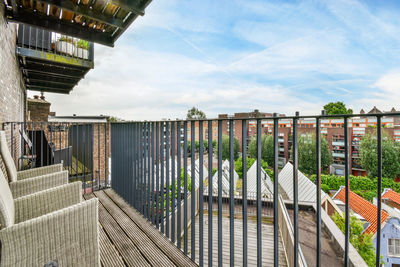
(394, 246)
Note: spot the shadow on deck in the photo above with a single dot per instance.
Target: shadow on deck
(128, 239)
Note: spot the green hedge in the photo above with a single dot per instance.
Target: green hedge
(363, 186)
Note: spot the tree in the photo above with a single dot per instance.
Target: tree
(114, 119)
(361, 242)
(250, 162)
(267, 148)
(225, 147)
(390, 156)
(337, 108)
(307, 154)
(195, 113)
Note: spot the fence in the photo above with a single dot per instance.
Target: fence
(37, 39)
(150, 158)
(82, 148)
(155, 171)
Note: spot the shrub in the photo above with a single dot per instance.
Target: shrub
(361, 242)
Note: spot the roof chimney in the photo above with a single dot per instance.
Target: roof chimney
(36, 97)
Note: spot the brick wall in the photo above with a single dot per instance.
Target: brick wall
(12, 91)
(38, 109)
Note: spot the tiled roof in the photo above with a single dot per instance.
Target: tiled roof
(363, 207)
(392, 195)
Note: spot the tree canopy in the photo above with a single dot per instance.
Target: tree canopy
(308, 154)
(195, 113)
(225, 147)
(267, 148)
(361, 242)
(337, 108)
(390, 156)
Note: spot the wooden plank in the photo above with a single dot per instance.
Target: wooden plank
(267, 243)
(109, 256)
(175, 254)
(121, 241)
(150, 251)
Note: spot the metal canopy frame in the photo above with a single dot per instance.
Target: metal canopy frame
(98, 21)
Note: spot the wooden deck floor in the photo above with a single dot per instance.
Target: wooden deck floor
(128, 239)
(267, 231)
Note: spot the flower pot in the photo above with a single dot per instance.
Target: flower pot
(81, 53)
(65, 48)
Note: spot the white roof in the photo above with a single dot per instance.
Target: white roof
(225, 179)
(266, 184)
(197, 172)
(306, 187)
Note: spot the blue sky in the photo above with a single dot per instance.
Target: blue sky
(232, 56)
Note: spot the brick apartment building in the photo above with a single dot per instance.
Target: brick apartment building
(331, 129)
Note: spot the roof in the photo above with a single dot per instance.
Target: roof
(266, 184)
(307, 189)
(363, 207)
(79, 119)
(374, 110)
(391, 195)
(197, 171)
(225, 178)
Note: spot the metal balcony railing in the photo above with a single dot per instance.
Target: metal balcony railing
(51, 62)
(55, 44)
(83, 149)
(152, 170)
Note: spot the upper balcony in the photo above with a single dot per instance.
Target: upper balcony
(98, 21)
(52, 62)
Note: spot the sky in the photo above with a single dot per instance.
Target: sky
(230, 56)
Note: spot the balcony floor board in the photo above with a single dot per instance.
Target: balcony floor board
(128, 239)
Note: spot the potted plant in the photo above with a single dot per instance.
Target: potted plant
(65, 45)
(82, 49)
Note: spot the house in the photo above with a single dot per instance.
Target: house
(390, 244)
(367, 213)
(363, 209)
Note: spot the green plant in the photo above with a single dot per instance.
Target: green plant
(361, 242)
(325, 188)
(239, 165)
(66, 39)
(267, 148)
(390, 156)
(363, 186)
(250, 162)
(83, 44)
(337, 108)
(225, 147)
(307, 154)
(214, 170)
(195, 113)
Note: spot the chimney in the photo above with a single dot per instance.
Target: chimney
(42, 96)
(38, 110)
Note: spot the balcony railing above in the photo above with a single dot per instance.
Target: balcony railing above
(52, 62)
(97, 21)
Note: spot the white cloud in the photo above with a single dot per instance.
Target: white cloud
(271, 56)
(390, 83)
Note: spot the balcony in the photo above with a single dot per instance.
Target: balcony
(338, 155)
(101, 22)
(52, 62)
(161, 205)
(338, 143)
